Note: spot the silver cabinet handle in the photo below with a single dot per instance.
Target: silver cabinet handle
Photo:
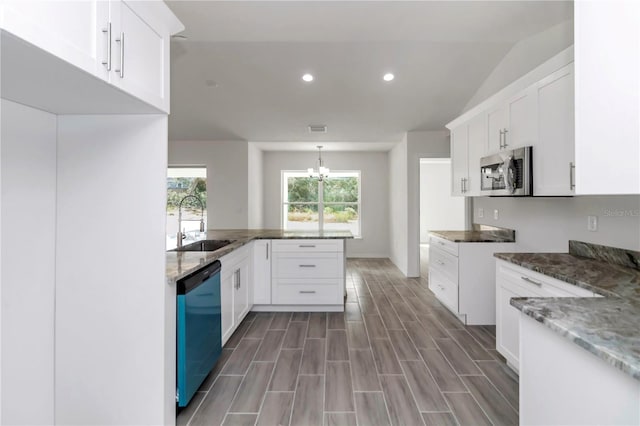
(307, 291)
(439, 262)
(461, 185)
(441, 243)
(503, 138)
(529, 280)
(121, 41)
(267, 251)
(237, 277)
(107, 63)
(465, 184)
(307, 245)
(307, 266)
(572, 169)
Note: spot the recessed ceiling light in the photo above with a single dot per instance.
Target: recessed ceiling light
(388, 77)
(307, 77)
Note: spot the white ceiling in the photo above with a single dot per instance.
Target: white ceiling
(256, 52)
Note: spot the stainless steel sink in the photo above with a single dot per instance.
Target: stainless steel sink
(205, 245)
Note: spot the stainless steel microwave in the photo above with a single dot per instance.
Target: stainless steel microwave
(507, 173)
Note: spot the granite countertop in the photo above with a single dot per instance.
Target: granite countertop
(473, 236)
(609, 326)
(600, 277)
(181, 264)
(479, 234)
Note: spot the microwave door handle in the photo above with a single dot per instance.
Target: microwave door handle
(510, 175)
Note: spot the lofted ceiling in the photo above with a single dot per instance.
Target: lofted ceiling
(238, 73)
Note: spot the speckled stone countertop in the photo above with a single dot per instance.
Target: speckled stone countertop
(479, 234)
(608, 327)
(603, 278)
(181, 264)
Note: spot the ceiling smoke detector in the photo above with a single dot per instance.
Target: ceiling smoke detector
(317, 128)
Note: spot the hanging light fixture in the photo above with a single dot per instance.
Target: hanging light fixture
(322, 171)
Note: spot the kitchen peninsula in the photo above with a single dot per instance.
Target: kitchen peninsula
(270, 270)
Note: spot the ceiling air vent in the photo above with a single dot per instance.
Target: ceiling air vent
(317, 128)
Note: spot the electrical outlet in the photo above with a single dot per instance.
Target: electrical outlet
(592, 223)
(495, 214)
(480, 212)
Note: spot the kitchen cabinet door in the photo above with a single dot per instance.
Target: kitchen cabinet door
(553, 154)
(141, 52)
(227, 292)
(496, 124)
(261, 273)
(521, 113)
(242, 281)
(477, 148)
(459, 159)
(607, 110)
(508, 322)
(71, 30)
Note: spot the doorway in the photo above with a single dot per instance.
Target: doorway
(439, 210)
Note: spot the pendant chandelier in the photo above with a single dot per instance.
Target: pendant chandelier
(322, 171)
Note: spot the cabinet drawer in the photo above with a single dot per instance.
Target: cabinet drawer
(308, 246)
(443, 262)
(443, 244)
(303, 265)
(551, 287)
(445, 290)
(307, 292)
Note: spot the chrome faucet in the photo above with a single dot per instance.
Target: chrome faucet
(180, 234)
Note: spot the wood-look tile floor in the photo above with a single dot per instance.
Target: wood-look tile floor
(396, 356)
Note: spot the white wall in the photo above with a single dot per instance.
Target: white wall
(439, 210)
(398, 205)
(227, 178)
(374, 192)
(255, 190)
(546, 224)
(28, 177)
(523, 57)
(115, 314)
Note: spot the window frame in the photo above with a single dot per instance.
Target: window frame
(321, 204)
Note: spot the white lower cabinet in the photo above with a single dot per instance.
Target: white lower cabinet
(308, 273)
(564, 384)
(515, 281)
(462, 277)
(235, 289)
(261, 272)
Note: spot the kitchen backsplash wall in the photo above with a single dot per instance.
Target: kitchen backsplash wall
(547, 224)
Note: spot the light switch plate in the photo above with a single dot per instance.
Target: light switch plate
(480, 212)
(592, 223)
(495, 214)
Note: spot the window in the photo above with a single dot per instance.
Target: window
(183, 181)
(330, 205)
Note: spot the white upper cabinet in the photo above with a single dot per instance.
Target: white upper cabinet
(459, 159)
(140, 52)
(69, 30)
(477, 144)
(607, 111)
(497, 123)
(553, 154)
(521, 111)
(512, 124)
(123, 42)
